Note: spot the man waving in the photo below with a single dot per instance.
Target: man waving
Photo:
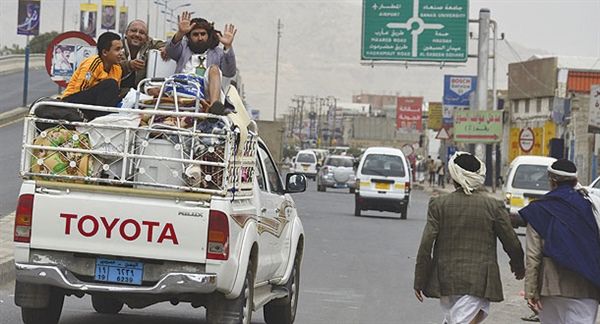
(196, 49)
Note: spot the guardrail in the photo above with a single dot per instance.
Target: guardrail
(10, 63)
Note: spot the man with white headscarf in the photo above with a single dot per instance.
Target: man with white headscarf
(461, 232)
(562, 281)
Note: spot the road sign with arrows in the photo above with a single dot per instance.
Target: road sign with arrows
(477, 126)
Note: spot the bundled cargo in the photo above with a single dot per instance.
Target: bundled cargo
(158, 144)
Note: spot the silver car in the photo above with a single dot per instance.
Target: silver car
(337, 172)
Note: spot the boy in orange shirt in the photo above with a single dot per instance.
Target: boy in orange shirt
(96, 80)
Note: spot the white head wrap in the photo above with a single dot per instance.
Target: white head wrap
(469, 181)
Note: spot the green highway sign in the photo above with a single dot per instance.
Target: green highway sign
(415, 30)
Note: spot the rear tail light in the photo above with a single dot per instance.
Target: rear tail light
(23, 218)
(407, 187)
(218, 236)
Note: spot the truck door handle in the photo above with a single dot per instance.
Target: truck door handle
(263, 210)
(50, 191)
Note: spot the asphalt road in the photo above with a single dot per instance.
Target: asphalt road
(355, 270)
(10, 143)
(11, 88)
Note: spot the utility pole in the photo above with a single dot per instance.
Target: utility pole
(483, 48)
(279, 26)
(62, 26)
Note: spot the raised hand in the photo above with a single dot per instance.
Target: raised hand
(185, 25)
(226, 38)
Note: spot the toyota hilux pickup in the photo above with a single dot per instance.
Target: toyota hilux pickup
(154, 204)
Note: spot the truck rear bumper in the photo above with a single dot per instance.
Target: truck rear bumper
(171, 283)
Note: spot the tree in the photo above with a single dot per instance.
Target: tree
(39, 43)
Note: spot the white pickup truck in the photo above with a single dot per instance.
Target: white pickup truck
(139, 214)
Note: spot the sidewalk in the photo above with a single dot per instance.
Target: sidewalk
(7, 265)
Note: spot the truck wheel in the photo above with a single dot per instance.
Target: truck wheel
(283, 310)
(235, 311)
(106, 305)
(47, 315)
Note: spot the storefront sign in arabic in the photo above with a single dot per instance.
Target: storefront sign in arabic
(415, 30)
(477, 126)
(409, 112)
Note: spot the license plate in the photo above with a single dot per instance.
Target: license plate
(382, 186)
(305, 168)
(341, 185)
(119, 271)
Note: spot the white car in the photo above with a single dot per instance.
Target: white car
(229, 240)
(306, 162)
(526, 180)
(383, 178)
(337, 172)
(594, 187)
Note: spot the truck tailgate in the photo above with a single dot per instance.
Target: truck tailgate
(108, 224)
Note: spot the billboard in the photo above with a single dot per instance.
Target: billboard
(434, 120)
(415, 30)
(88, 18)
(28, 20)
(409, 112)
(477, 126)
(458, 90)
(123, 19)
(109, 14)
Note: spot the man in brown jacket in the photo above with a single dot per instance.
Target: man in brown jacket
(462, 229)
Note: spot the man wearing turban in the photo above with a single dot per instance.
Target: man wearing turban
(562, 281)
(461, 232)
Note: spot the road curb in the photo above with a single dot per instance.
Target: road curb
(12, 115)
(7, 261)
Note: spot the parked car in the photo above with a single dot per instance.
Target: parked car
(306, 163)
(526, 180)
(337, 172)
(594, 187)
(383, 178)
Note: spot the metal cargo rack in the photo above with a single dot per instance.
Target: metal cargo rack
(155, 155)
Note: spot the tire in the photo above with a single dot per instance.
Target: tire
(356, 208)
(320, 187)
(47, 315)
(106, 305)
(234, 311)
(352, 190)
(283, 310)
(403, 212)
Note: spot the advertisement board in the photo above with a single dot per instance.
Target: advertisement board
(28, 20)
(458, 91)
(434, 120)
(483, 126)
(409, 112)
(88, 18)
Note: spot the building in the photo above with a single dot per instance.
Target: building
(549, 100)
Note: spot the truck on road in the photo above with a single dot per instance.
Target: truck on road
(134, 210)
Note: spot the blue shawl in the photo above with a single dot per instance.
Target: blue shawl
(566, 222)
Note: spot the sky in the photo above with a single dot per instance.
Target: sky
(320, 44)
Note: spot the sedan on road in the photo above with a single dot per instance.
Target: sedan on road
(337, 172)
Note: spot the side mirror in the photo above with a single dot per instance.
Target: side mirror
(355, 164)
(295, 182)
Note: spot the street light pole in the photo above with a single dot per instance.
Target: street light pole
(279, 25)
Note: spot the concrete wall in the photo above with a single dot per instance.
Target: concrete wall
(271, 132)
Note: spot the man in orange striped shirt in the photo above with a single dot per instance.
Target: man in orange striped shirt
(96, 80)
